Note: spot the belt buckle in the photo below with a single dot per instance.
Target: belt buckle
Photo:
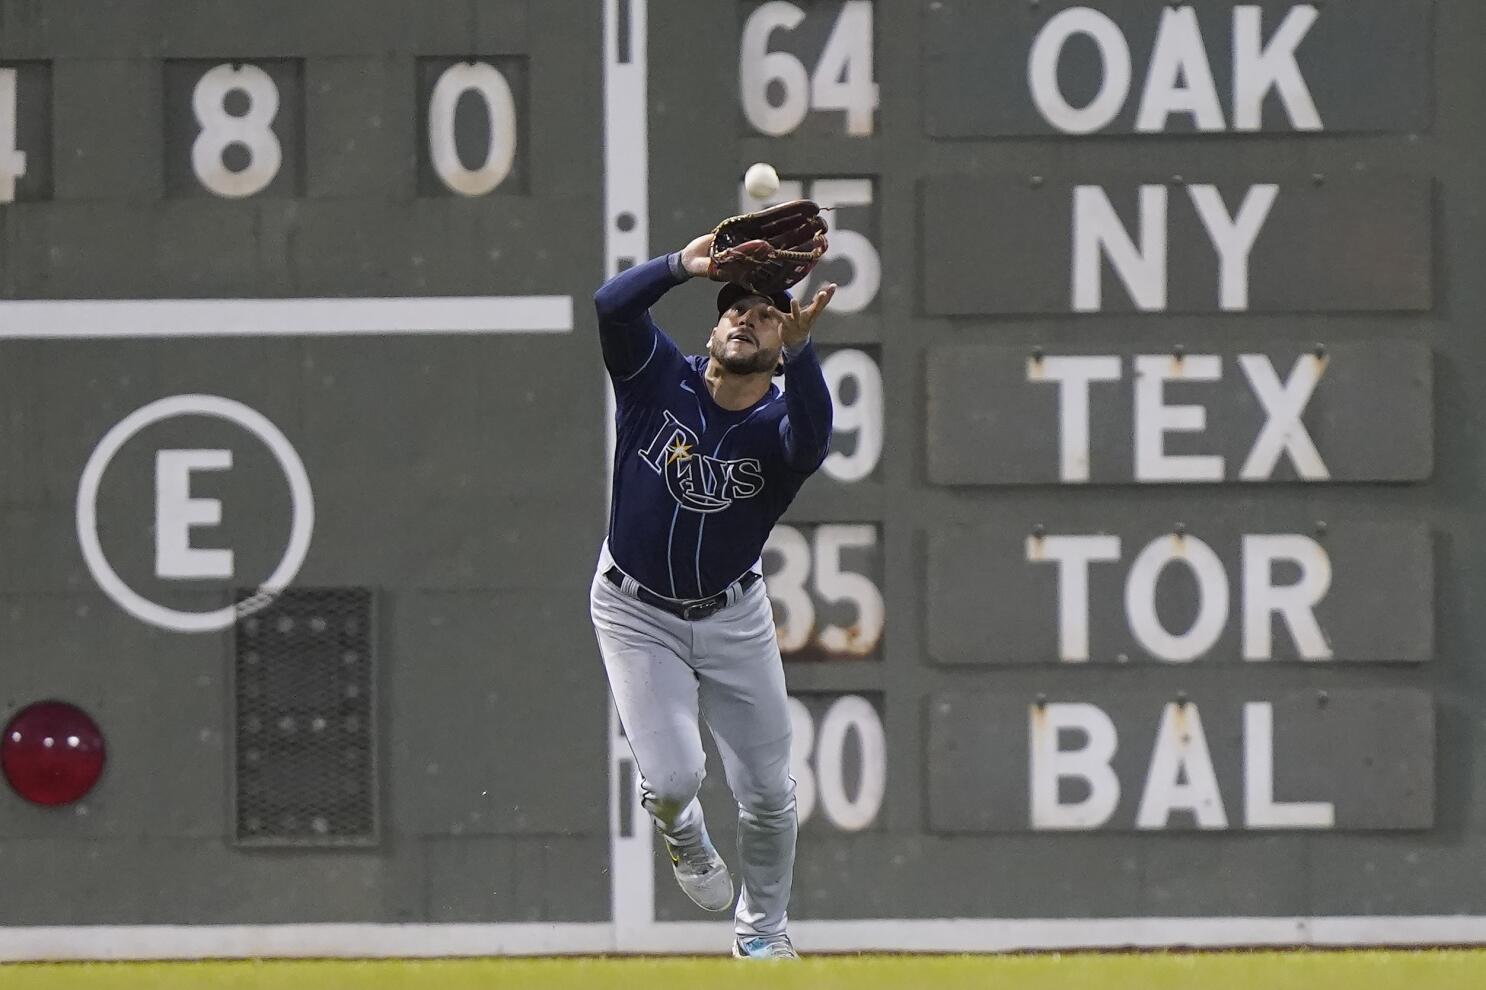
(700, 610)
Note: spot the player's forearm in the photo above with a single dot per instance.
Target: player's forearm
(807, 400)
(626, 296)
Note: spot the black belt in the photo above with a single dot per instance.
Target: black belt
(690, 611)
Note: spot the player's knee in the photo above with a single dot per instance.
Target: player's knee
(770, 800)
(670, 792)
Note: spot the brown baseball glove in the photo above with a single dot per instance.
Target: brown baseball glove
(768, 250)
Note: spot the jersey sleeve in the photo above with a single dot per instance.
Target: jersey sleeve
(806, 427)
(631, 341)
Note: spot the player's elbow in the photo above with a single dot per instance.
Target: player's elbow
(615, 301)
(606, 301)
(822, 452)
(808, 456)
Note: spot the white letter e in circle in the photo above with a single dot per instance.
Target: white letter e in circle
(301, 499)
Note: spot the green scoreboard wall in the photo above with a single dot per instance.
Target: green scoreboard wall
(1134, 604)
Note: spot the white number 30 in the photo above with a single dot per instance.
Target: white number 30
(824, 783)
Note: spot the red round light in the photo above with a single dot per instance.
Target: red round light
(52, 753)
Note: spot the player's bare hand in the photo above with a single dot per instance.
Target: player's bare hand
(795, 325)
(696, 255)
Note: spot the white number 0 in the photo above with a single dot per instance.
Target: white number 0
(12, 159)
(500, 107)
(842, 79)
(220, 129)
(849, 714)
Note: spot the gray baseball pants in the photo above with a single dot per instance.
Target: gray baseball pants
(664, 673)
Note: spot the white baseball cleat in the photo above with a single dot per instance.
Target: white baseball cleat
(764, 947)
(702, 874)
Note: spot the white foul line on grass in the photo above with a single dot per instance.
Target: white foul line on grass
(44, 319)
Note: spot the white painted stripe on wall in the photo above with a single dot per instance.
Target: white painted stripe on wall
(627, 195)
(107, 318)
(343, 941)
(1011, 935)
(377, 941)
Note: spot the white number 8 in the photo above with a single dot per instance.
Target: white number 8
(220, 130)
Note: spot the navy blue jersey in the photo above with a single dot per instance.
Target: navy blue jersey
(697, 488)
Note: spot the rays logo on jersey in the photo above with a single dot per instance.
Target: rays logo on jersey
(698, 481)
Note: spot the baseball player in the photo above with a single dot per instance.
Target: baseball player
(709, 454)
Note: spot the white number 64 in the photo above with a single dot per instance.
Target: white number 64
(842, 79)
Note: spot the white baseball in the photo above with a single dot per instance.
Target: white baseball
(761, 180)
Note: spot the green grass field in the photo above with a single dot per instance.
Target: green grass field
(1301, 970)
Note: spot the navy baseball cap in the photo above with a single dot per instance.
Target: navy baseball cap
(732, 292)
